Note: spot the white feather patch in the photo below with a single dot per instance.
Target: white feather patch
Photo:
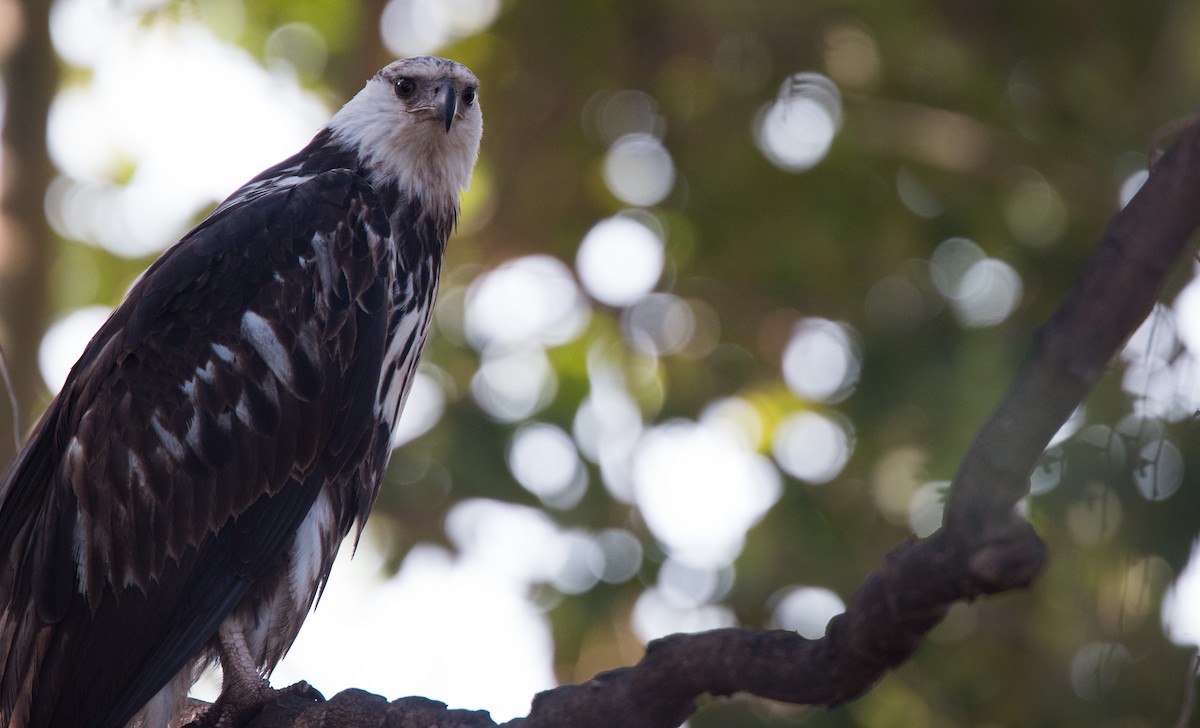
(243, 410)
(271, 627)
(308, 549)
(261, 335)
(208, 372)
(224, 353)
(391, 388)
(417, 153)
(167, 703)
(193, 433)
(169, 442)
(320, 244)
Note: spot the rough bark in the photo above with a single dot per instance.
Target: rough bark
(984, 547)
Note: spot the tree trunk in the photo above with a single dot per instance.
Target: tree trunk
(30, 73)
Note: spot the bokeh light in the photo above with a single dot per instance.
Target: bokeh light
(521, 543)
(514, 384)
(620, 260)
(607, 428)
(1106, 442)
(987, 294)
(1035, 212)
(926, 507)
(420, 27)
(902, 301)
(895, 479)
(659, 324)
(482, 643)
(82, 31)
(1075, 421)
(1048, 473)
(1159, 335)
(580, 557)
(424, 407)
(1155, 387)
(1181, 619)
(821, 360)
(1131, 185)
(1096, 667)
(638, 170)
(700, 491)
(1159, 470)
(607, 413)
(655, 615)
(299, 47)
(796, 130)
(1134, 592)
(852, 56)
(196, 119)
(916, 196)
(812, 447)
(685, 585)
(951, 260)
(527, 300)
(1095, 516)
(622, 553)
(613, 115)
(982, 291)
(735, 418)
(806, 610)
(65, 341)
(543, 459)
(1186, 310)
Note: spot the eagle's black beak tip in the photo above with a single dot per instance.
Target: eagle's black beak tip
(447, 104)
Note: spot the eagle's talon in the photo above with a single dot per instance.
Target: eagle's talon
(303, 690)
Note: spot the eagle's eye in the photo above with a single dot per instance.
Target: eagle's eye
(469, 95)
(405, 87)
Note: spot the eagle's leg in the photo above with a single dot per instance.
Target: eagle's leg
(244, 692)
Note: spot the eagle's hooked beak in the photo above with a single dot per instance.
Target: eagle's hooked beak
(446, 103)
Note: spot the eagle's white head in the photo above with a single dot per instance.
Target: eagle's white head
(417, 122)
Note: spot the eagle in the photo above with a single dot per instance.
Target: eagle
(183, 497)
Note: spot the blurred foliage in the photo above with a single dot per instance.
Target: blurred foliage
(972, 105)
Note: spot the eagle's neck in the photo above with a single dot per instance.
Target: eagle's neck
(427, 229)
(427, 163)
(396, 193)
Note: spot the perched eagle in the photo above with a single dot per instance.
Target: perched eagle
(184, 496)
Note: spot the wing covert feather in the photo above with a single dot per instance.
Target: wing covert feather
(234, 383)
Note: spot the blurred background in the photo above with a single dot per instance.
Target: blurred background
(734, 286)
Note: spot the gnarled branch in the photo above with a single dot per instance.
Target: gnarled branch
(984, 547)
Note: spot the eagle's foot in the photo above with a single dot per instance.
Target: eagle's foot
(241, 702)
(238, 704)
(244, 691)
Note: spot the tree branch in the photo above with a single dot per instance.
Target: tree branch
(984, 547)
